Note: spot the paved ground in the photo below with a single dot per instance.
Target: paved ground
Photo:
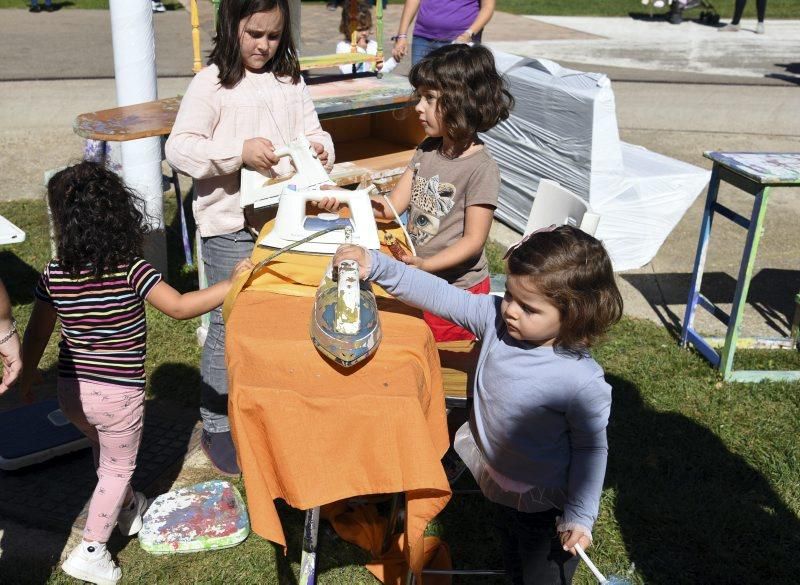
(679, 90)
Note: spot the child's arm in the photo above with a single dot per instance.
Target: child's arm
(477, 222)
(587, 418)
(422, 290)
(187, 305)
(37, 334)
(400, 198)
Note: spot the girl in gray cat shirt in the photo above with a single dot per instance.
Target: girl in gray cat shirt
(536, 439)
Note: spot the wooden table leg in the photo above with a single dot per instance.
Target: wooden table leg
(308, 560)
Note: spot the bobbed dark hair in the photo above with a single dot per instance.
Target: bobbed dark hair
(362, 21)
(473, 98)
(226, 54)
(97, 220)
(572, 269)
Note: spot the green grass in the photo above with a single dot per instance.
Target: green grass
(703, 481)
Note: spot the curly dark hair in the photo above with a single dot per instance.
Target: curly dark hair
(572, 269)
(473, 97)
(97, 220)
(226, 54)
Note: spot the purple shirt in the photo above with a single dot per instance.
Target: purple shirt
(444, 20)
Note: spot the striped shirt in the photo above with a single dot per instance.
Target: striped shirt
(103, 326)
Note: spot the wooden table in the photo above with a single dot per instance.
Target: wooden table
(333, 99)
(756, 173)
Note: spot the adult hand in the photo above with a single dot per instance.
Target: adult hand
(400, 49)
(259, 154)
(11, 355)
(322, 154)
(463, 38)
(357, 253)
(570, 538)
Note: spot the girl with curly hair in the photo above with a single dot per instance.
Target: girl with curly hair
(96, 286)
(536, 437)
(451, 185)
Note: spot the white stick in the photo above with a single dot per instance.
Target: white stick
(590, 564)
(402, 227)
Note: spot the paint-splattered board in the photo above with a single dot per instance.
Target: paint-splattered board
(766, 168)
(332, 99)
(205, 516)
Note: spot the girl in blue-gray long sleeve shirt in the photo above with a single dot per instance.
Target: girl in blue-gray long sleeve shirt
(536, 439)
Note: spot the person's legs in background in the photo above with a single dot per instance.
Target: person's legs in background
(220, 254)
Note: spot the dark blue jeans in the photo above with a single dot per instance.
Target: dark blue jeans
(532, 552)
(421, 46)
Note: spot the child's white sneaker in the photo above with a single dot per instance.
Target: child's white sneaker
(129, 521)
(91, 561)
(760, 28)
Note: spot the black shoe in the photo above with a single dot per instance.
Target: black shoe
(36, 8)
(221, 451)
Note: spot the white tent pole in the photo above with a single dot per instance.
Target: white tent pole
(135, 74)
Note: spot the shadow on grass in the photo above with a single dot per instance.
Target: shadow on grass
(51, 497)
(18, 277)
(689, 510)
(771, 294)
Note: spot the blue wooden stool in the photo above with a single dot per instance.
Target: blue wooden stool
(754, 173)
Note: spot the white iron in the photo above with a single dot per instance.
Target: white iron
(292, 223)
(259, 191)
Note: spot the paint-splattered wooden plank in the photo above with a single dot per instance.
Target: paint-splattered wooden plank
(766, 168)
(206, 516)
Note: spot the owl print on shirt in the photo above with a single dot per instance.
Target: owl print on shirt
(431, 200)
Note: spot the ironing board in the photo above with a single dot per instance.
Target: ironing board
(756, 173)
(310, 432)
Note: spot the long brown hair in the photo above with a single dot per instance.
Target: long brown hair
(473, 97)
(572, 269)
(226, 54)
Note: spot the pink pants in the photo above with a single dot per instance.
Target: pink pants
(112, 418)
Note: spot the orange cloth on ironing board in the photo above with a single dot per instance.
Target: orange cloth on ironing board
(294, 274)
(311, 432)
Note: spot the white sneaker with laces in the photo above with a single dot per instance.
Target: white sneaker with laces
(129, 521)
(158, 6)
(91, 561)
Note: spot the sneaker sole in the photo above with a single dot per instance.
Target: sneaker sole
(85, 575)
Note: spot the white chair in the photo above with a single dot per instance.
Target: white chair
(554, 204)
(9, 233)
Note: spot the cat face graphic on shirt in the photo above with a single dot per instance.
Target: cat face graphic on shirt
(430, 202)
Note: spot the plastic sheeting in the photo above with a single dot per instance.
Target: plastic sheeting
(564, 128)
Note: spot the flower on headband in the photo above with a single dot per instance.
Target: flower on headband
(513, 247)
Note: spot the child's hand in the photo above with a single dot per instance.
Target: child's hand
(322, 154)
(242, 266)
(328, 204)
(570, 538)
(414, 261)
(259, 154)
(357, 253)
(10, 358)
